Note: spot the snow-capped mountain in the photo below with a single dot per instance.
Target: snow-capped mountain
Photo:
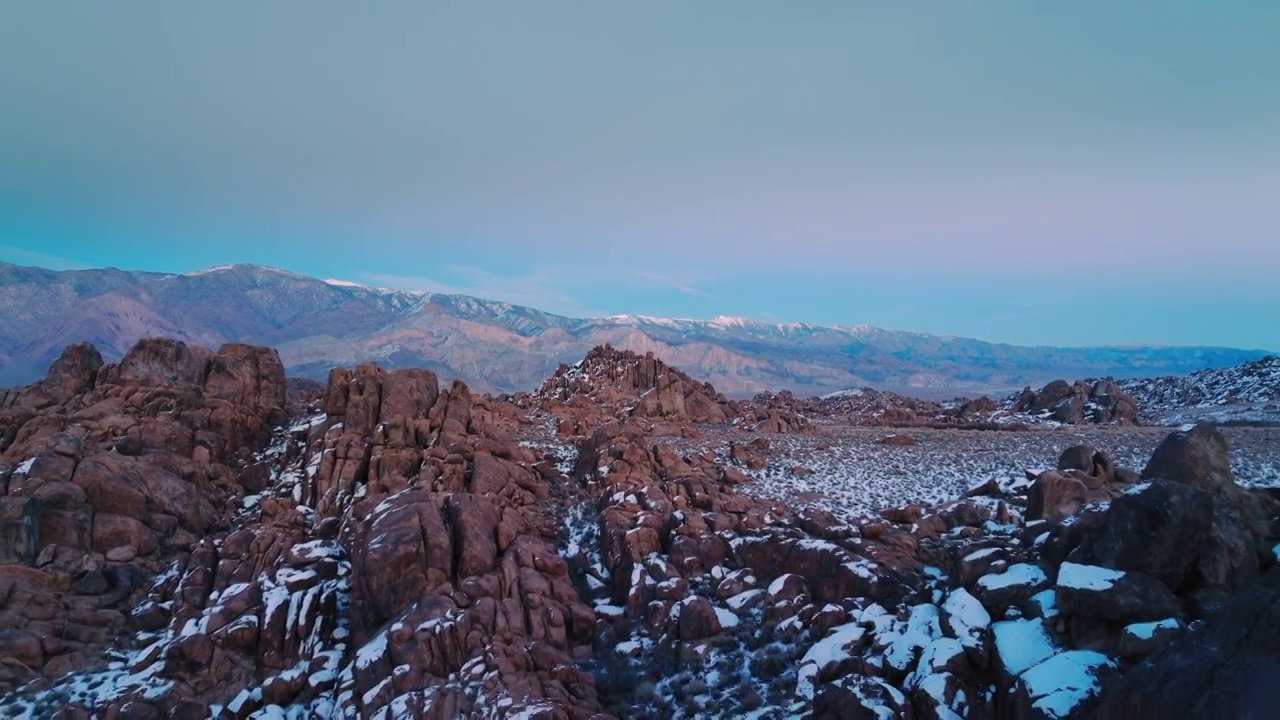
(499, 346)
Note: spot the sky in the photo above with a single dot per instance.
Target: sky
(1079, 173)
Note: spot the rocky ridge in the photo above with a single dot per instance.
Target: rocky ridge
(1247, 393)
(407, 550)
(1099, 402)
(1084, 401)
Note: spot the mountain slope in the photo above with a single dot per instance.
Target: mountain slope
(498, 346)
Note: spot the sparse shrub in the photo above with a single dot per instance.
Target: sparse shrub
(646, 693)
(724, 644)
(755, 640)
(678, 692)
(769, 663)
(780, 684)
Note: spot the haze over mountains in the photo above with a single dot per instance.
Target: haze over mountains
(497, 346)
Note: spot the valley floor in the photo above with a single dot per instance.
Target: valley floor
(849, 471)
(855, 474)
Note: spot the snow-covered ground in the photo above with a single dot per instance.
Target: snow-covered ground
(846, 471)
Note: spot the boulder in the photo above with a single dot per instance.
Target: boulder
(1158, 529)
(698, 619)
(491, 475)
(405, 552)
(1055, 496)
(1141, 640)
(1065, 685)
(73, 373)
(65, 517)
(1185, 535)
(134, 487)
(156, 361)
(1087, 460)
(1225, 667)
(408, 394)
(1197, 456)
(112, 531)
(474, 521)
(1099, 593)
(1010, 588)
(363, 399)
(859, 697)
(248, 376)
(22, 648)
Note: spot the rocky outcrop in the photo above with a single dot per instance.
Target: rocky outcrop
(1159, 552)
(774, 414)
(1098, 402)
(401, 535)
(1083, 476)
(1226, 667)
(1189, 524)
(867, 406)
(112, 471)
(1249, 392)
(639, 386)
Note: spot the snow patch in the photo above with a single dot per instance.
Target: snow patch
(1020, 575)
(1148, 630)
(1058, 685)
(967, 617)
(1022, 644)
(1087, 577)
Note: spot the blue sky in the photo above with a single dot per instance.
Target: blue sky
(1083, 173)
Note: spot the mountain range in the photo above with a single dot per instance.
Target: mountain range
(500, 347)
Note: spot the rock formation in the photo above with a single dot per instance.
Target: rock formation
(176, 544)
(107, 472)
(1099, 402)
(622, 383)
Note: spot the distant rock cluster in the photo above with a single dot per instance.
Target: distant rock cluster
(1101, 402)
(1248, 393)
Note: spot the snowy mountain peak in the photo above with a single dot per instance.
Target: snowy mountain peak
(344, 283)
(245, 268)
(728, 321)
